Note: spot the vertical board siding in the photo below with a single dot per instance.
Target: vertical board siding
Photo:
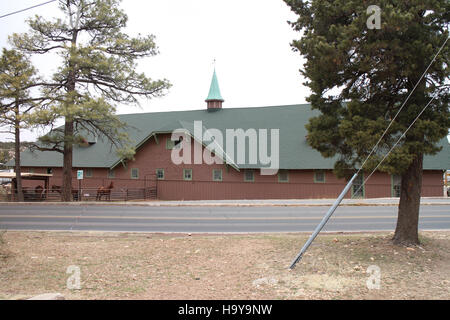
(152, 156)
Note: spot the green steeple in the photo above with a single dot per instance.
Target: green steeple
(214, 91)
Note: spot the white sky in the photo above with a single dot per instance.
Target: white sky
(250, 41)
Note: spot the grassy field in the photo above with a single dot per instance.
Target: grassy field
(158, 266)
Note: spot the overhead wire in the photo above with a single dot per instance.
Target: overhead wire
(394, 146)
(29, 8)
(393, 120)
(349, 184)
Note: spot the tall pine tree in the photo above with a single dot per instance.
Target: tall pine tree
(17, 77)
(97, 73)
(360, 77)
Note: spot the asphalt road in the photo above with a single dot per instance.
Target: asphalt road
(211, 219)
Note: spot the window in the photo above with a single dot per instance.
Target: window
(134, 173)
(283, 176)
(111, 174)
(88, 173)
(319, 176)
(49, 171)
(217, 175)
(170, 144)
(396, 183)
(249, 176)
(160, 174)
(187, 174)
(358, 189)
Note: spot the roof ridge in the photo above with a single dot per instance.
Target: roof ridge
(224, 109)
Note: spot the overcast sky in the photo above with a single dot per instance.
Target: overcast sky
(250, 41)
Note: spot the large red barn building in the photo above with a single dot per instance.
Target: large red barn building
(303, 173)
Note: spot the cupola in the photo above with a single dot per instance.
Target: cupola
(214, 100)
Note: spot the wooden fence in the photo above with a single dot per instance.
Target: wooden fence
(89, 194)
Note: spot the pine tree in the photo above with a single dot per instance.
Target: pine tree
(97, 74)
(17, 77)
(360, 77)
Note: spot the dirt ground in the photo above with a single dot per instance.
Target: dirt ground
(160, 266)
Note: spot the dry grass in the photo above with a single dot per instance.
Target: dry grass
(4, 252)
(155, 266)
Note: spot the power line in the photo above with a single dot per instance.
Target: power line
(347, 188)
(395, 145)
(350, 183)
(22, 10)
(403, 105)
(390, 124)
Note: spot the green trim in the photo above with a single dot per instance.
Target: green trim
(184, 174)
(163, 174)
(315, 176)
(152, 134)
(363, 188)
(392, 186)
(214, 175)
(167, 132)
(287, 176)
(393, 195)
(170, 145)
(253, 176)
(89, 173)
(111, 174)
(134, 170)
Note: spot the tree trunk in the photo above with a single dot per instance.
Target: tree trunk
(17, 159)
(407, 230)
(66, 194)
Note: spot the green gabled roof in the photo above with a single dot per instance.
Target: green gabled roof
(290, 120)
(214, 90)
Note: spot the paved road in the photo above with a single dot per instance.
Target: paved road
(299, 202)
(210, 219)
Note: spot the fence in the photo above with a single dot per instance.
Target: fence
(85, 194)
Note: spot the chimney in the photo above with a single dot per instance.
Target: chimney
(214, 100)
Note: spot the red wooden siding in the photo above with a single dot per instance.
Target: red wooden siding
(152, 156)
